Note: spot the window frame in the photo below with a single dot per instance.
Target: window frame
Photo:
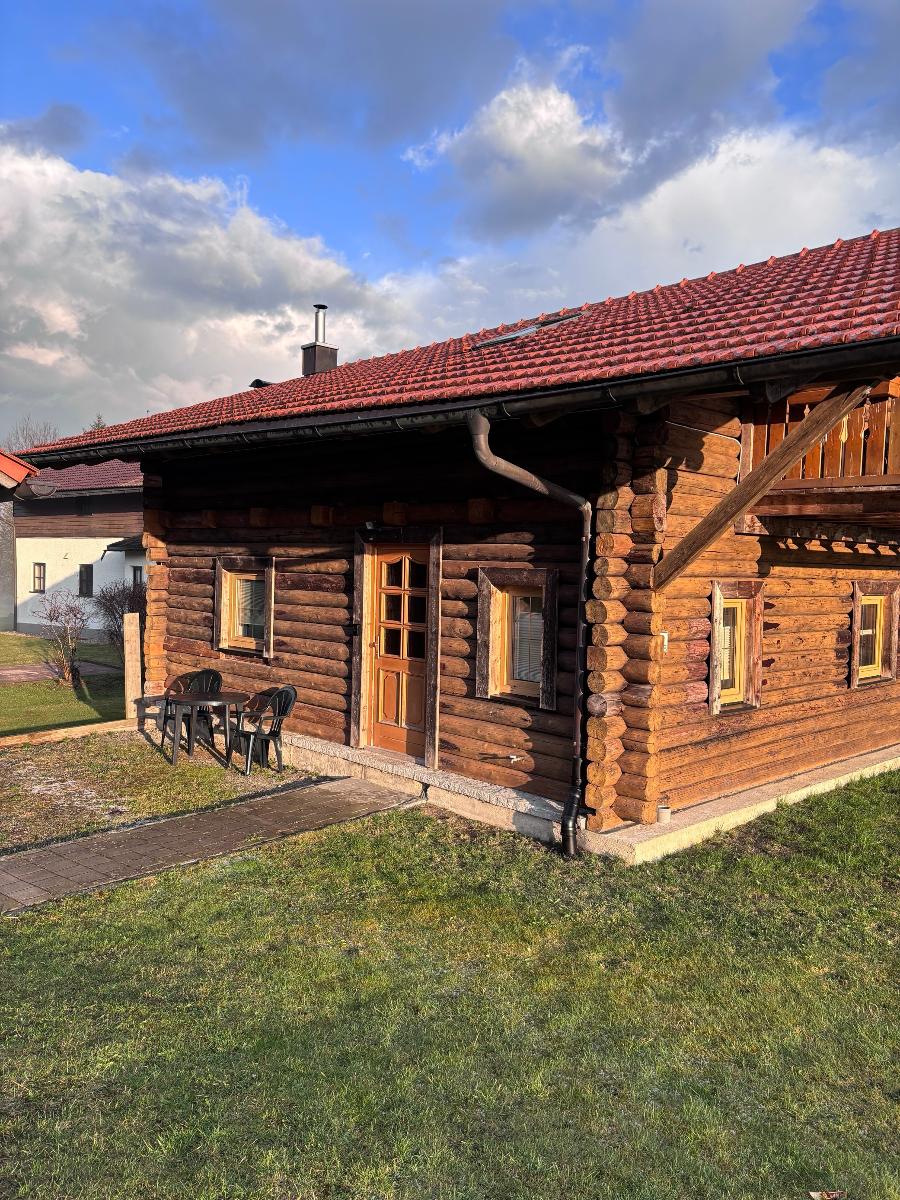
(86, 570)
(35, 590)
(496, 589)
(137, 575)
(748, 593)
(228, 571)
(888, 592)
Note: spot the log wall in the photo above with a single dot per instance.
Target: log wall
(809, 715)
(650, 734)
(303, 508)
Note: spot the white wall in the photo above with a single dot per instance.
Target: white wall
(63, 557)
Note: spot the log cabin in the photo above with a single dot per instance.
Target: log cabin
(635, 554)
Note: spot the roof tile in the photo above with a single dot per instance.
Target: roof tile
(848, 291)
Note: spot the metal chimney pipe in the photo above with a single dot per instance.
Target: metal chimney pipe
(320, 322)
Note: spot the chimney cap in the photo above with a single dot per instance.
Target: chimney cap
(322, 306)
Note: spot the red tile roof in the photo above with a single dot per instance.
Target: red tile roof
(845, 292)
(93, 477)
(14, 467)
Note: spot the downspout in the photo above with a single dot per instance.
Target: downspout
(480, 429)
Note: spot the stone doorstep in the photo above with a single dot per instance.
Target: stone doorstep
(420, 783)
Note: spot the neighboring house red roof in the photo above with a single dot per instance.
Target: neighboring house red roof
(91, 478)
(14, 468)
(842, 293)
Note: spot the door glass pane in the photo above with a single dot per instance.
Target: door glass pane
(868, 634)
(729, 648)
(392, 606)
(392, 575)
(390, 641)
(415, 644)
(527, 636)
(249, 598)
(418, 574)
(416, 609)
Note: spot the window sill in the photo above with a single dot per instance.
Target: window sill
(515, 698)
(243, 651)
(744, 707)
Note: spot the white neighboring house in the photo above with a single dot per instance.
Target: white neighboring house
(81, 530)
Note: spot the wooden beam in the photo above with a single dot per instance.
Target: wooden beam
(757, 483)
(134, 684)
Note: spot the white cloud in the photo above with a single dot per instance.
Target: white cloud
(124, 296)
(527, 158)
(132, 295)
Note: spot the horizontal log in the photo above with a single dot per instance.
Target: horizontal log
(602, 611)
(291, 617)
(553, 789)
(502, 553)
(509, 738)
(603, 728)
(504, 713)
(190, 589)
(476, 750)
(604, 704)
(313, 581)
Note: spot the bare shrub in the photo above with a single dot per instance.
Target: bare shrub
(112, 602)
(64, 617)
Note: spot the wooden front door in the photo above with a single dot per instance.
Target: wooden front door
(398, 651)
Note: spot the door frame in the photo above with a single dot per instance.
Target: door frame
(366, 542)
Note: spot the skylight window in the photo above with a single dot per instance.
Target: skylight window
(515, 334)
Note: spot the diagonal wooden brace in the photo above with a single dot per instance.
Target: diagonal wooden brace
(810, 430)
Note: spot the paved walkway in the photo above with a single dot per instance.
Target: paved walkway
(31, 877)
(35, 672)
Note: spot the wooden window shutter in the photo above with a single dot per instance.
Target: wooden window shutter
(269, 624)
(219, 600)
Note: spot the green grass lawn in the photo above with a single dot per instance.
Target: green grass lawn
(94, 783)
(17, 649)
(26, 707)
(414, 1007)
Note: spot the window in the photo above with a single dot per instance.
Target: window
(873, 655)
(735, 668)
(244, 601)
(246, 610)
(39, 577)
(516, 642)
(137, 576)
(522, 636)
(733, 652)
(86, 579)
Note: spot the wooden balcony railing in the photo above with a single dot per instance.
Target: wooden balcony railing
(865, 445)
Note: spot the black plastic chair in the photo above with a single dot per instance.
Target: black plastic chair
(207, 682)
(259, 724)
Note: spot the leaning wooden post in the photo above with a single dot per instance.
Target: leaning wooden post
(755, 485)
(131, 634)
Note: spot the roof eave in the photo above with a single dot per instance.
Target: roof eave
(805, 364)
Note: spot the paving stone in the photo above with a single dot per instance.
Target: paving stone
(32, 877)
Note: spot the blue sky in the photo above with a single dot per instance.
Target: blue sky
(181, 181)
